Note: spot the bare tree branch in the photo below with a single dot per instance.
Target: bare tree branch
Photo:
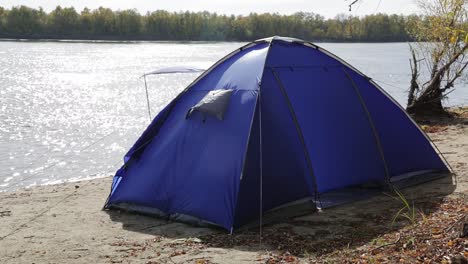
(457, 75)
(438, 74)
(414, 87)
(352, 3)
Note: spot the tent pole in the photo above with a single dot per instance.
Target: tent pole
(147, 98)
(261, 163)
(317, 200)
(372, 126)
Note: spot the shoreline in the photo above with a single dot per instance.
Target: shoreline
(136, 41)
(65, 223)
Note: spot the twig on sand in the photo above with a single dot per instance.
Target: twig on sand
(388, 244)
(5, 213)
(80, 249)
(459, 224)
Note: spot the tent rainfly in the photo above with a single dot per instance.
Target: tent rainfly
(277, 121)
(175, 69)
(167, 70)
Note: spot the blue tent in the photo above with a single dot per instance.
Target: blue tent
(277, 121)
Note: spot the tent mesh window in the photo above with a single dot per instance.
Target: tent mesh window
(215, 104)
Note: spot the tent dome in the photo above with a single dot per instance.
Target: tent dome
(276, 121)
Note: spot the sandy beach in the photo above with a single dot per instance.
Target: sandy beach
(65, 224)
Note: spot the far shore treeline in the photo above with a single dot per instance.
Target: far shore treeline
(106, 24)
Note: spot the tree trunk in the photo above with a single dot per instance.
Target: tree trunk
(429, 103)
(414, 87)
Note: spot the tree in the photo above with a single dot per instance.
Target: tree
(64, 21)
(128, 23)
(442, 49)
(24, 21)
(86, 22)
(104, 23)
(3, 15)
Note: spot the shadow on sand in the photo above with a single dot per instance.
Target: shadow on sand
(342, 227)
(455, 116)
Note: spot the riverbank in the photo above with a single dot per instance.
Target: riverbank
(65, 224)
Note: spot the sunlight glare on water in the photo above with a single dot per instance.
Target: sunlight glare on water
(70, 111)
(59, 98)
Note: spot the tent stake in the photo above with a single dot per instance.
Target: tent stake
(147, 99)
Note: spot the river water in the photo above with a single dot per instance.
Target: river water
(70, 110)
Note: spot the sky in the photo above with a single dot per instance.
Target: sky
(327, 8)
